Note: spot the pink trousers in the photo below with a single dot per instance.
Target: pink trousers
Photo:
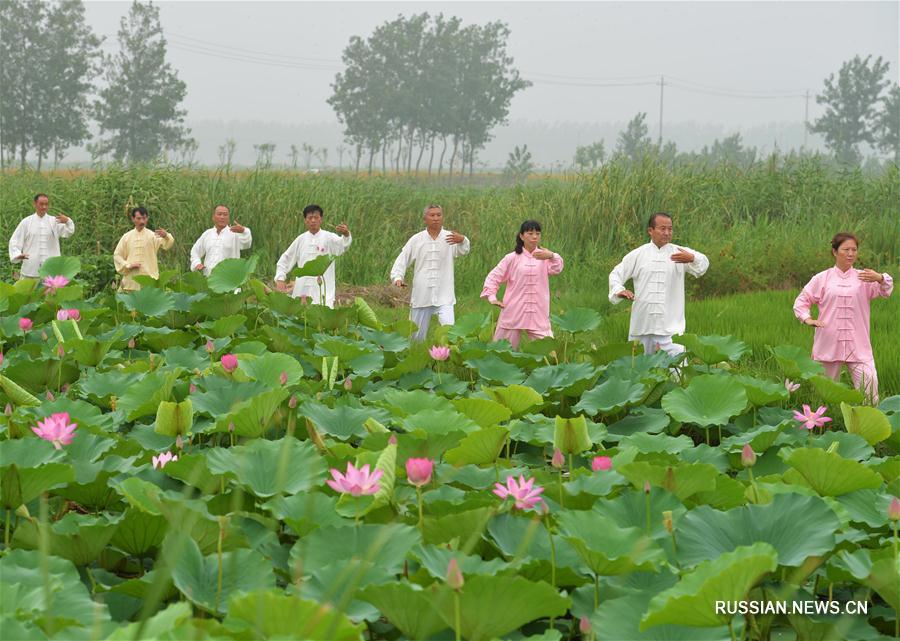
(863, 375)
(513, 335)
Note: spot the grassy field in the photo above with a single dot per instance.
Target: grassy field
(760, 319)
(765, 227)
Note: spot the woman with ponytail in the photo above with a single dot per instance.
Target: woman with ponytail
(526, 271)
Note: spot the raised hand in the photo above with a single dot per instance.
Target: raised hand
(62, 218)
(870, 276)
(237, 228)
(162, 233)
(682, 256)
(542, 254)
(454, 238)
(342, 229)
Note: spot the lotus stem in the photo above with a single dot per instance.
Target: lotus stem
(561, 487)
(421, 515)
(731, 629)
(6, 532)
(596, 592)
(457, 617)
(219, 556)
(647, 510)
(753, 486)
(552, 562)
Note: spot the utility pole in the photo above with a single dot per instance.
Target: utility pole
(662, 84)
(806, 120)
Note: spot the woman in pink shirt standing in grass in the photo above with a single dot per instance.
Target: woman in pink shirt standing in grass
(842, 294)
(526, 271)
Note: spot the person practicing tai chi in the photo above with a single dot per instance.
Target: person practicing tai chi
(312, 243)
(842, 294)
(36, 237)
(433, 251)
(526, 271)
(222, 241)
(658, 270)
(136, 252)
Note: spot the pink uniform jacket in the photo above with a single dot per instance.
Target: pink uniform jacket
(843, 301)
(527, 298)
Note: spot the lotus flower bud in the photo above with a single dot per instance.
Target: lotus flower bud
(894, 509)
(210, 347)
(603, 463)
(392, 440)
(558, 460)
(667, 520)
(646, 487)
(748, 456)
(43, 336)
(192, 389)
(584, 625)
(418, 470)
(229, 362)
(283, 378)
(131, 343)
(112, 403)
(50, 396)
(454, 575)
(292, 401)
(231, 426)
(65, 388)
(8, 409)
(348, 384)
(60, 350)
(1, 359)
(74, 314)
(179, 442)
(62, 315)
(25, 324)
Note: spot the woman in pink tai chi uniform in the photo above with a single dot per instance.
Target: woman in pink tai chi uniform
(526, 271)
(842, 294)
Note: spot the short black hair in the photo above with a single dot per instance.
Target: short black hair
(311, 209)
(652, 221)
(39, 195)
(140, 210)
(222, 205)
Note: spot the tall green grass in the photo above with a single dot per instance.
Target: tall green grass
(763, 227)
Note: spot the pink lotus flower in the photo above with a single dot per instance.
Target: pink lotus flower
(811, 419)
(790, 385)
(159, 462)
(52, 283)
(355, 482)
(603, 463)
(62, 315)
(584, 625)
(525, 493)
(439, 352)
(894, 509)
(1, 359)
(748, 456)
(210, 347)
(56, 429)
(418, 471)
(74, 314)
(454, 575)
(229, 362)
(25, 324)
(283, 378)
(557, 460)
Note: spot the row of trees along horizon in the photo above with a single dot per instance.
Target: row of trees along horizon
(420, 92)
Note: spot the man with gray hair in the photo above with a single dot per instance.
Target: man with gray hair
(433, 251)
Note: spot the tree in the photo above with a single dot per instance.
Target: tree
(519, 164)
(634, 143)
(888, 124)
(590, 156)
(729, 150)
(851, 102)
(294, 156)
(139, 107)
(226, 153)
(264, 154)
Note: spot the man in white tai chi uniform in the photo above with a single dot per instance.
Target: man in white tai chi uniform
(312, 243)
(222, 241)
(36, 238)
(658, 270)
(433, 251)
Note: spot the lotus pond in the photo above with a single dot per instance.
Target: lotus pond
(208, 459)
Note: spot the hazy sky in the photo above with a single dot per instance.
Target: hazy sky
(274, 61)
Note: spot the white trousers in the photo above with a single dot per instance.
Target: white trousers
(654, 342)
(421, 316)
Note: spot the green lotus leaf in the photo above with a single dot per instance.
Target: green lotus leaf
(272, 614)
(692, 601)
(883, 579)
(407, 607)
(484, 412)
(387, 463)
(834, 392)
(469, 325)
(493, 606)
(315, 267)
(141, 494)
(683, 480)
(17, 394)
(67, 266)
(611, 396)
(707, 400)
(60, 590)
(139, 533)
(385, 545)
(594, 483)
(406, 402)
(231, 273)
(222, 395)
(186, 358)
(20, 486)
(342, 422)
(268, 468)
(527, 540)
(435, 560)
(36, 375)
(478, 448)
(225, 305)
(579, 319)
(795, 362)
(869, 422)
(197, 576)
(571, 435)
(225, 326)
(629, 510)
(518, 398)
(143, 397)
(797, 526)
(494, 368)
(80, 538)
(157, 626)
(762, 392)
(606, 548)
(344, 348)
(148, 301)
(173, 419)
(571, 378)
(619, 619)
(648, 420)
(714, 349)
(648, 443)
(252, 418)
(28, 452)
(612, 351)
(269, 367)
(102, 385)
(864, 506)
(162, 338)
(304, 512)
(830, 474)
(439, 422)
